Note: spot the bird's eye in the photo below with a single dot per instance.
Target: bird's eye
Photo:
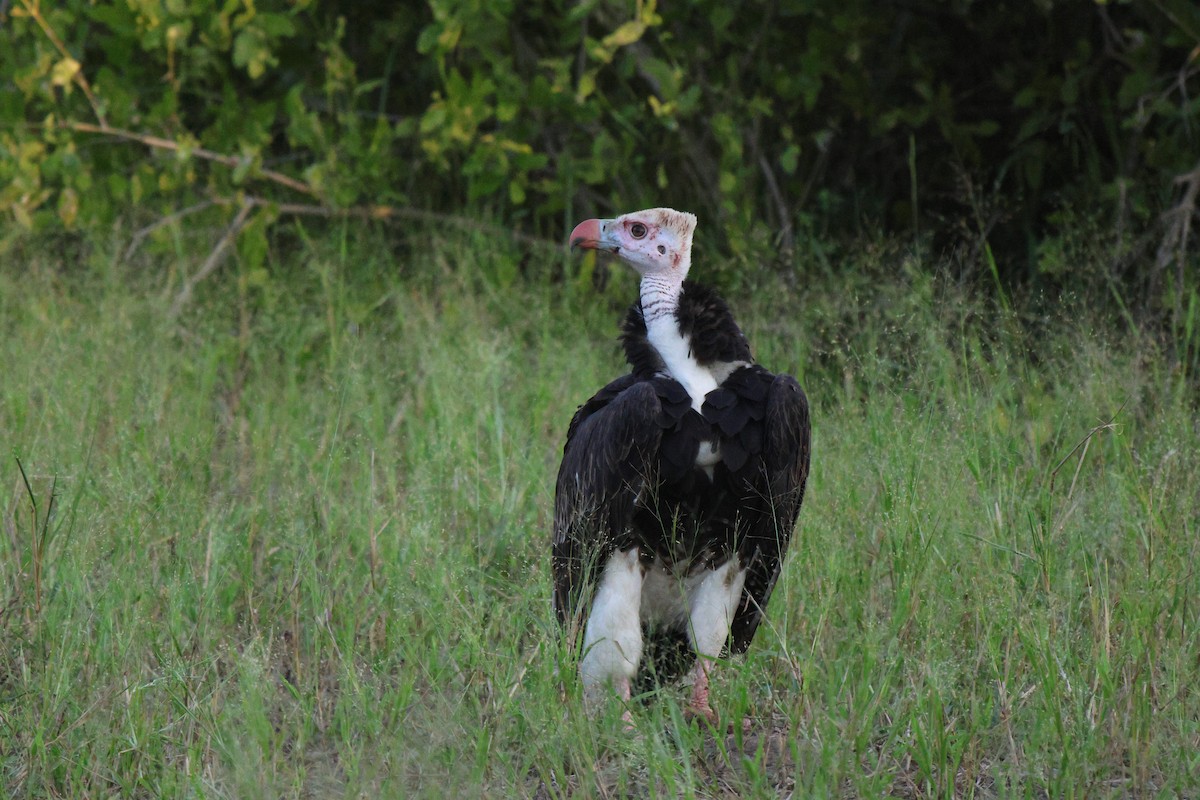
(637, 230)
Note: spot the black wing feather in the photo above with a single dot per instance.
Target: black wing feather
(778, 491)
(610, 442)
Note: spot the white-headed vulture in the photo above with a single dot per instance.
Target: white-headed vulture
(680, 482)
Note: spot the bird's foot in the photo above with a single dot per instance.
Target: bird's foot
(701, 712)
(708, 716)
(698, 707)
(598, 697)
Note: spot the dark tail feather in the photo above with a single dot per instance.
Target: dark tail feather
(666, 655)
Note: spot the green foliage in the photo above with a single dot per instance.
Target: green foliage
(771, 119)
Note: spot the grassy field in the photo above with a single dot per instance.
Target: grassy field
(295, 543)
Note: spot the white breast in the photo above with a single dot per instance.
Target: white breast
(698, 380)
(708, 456)
(676, 353)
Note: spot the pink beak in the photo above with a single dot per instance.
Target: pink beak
(586, 235)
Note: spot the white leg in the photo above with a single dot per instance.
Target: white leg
(612, 641)
(711, 608)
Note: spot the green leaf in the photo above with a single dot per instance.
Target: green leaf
(790, 158)
(252, 242)
(448, 38)
(250, 51)
(246, 164)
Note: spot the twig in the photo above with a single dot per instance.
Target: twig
(38, 532)
(160, 143)
(248, 203)
(31, 8)
(1085, 443)
(787, 240)
(383, 213)
(372, 212)
(138, 237)
(213, 260)
(998, 546)
(1187, 210)
(108, 695)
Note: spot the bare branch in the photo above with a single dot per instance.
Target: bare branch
(384, 213)
(1178, 222)
(213, 260)
(377, 212)
(160, 143)
(140, 235)
(787, 238)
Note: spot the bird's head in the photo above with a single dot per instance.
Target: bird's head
(657, 241)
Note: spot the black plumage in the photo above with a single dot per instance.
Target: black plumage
(630, 478)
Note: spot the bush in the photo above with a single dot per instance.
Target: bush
(771, 119)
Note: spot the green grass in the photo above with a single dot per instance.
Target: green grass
(295, 543)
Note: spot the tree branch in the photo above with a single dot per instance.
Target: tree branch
(1174, 243)
(31, 8)
(213, 260)
(384, 213)
(160, 143)
(786, 239)
(378, 212)
(141, 234)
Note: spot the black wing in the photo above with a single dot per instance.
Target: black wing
(771, 509)
(612, 439)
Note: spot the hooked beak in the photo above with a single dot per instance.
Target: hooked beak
(587, 235)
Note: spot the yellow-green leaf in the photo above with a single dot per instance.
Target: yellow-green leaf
(64, 71)
(257, 277)
(661, 109)
(515, 147)
(627, 34)
(68, 206)
(587, 85)
(21, 214)
(448, 39)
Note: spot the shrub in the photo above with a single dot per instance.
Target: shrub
(770, 119)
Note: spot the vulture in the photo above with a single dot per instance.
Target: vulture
(680, 482)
